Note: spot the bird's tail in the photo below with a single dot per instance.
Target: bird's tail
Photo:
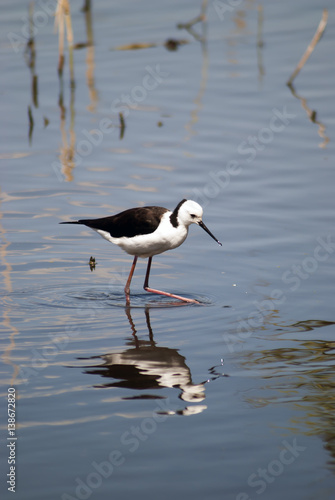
(72, 222)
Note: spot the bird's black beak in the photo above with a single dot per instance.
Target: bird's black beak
(201, 224)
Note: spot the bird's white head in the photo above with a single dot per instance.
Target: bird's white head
(190, 212)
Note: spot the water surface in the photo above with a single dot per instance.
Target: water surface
(230, 399)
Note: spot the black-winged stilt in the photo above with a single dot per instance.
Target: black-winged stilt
(148, 231)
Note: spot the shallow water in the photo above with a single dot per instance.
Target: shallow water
(232, 398)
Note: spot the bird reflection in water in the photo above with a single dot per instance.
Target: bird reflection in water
(147, 367)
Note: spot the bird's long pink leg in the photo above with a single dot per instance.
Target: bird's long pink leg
(132, 269)
(152, 290)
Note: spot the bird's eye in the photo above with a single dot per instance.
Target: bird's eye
(192, 215)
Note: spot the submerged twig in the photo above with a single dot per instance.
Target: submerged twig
(31, 124)
(260, 42)
(311, 46)
(170, 44)
(30, 52)
(312, 115)
(200, 18)
(87, 6)
(30, 56)
(122, 125)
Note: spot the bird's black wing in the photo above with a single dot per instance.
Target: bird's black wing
(131, 222)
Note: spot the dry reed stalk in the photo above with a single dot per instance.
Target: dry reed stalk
(311, 46)
(90, 56)
(62, 23)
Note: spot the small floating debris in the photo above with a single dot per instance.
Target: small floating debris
(92, 263)
(81, 45)
(172, 44)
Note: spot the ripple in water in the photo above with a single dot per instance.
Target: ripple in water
(73, 296)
